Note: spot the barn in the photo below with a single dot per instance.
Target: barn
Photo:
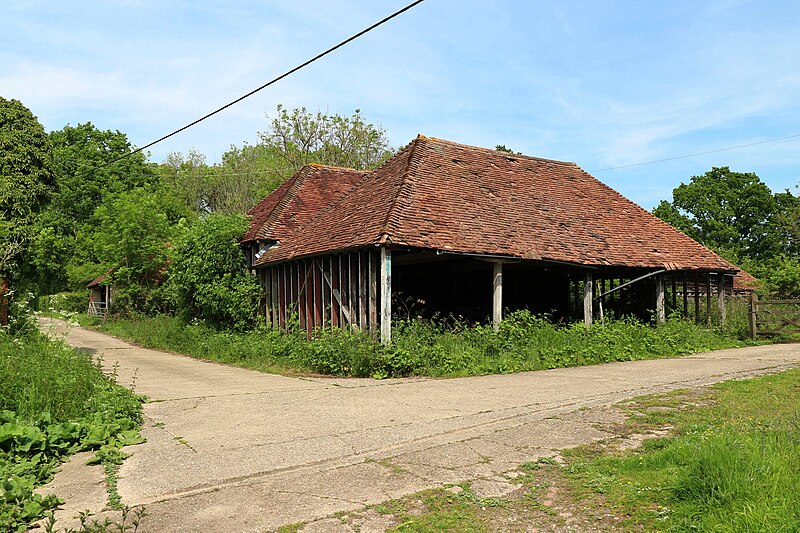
(443, 229)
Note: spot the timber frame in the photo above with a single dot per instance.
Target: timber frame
(443, 229)
(359, 289)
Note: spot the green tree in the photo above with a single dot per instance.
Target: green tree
(79, 155)
(209, 273)
(26, 179)
(132, 239)
(733, 213)
(62, 236)
(301, 137)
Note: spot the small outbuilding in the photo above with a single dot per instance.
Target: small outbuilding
(443, 228)
(99, 296)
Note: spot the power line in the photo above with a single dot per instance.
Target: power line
(274, 80)
(698, 153)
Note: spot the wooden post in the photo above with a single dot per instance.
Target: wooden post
(661, 315)
(685, 298)
(696, 299)
(588, 295)
(708, 299)
(373, 292)
(753, 314)
(497, 296)
(386, 295)
(674, 292)
(721, 298)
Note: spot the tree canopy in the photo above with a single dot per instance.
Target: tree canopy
(26, 178)
(738, 216)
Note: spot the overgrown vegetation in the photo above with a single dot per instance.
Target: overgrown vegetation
(731, 465)
(54, 402)
(523, 342)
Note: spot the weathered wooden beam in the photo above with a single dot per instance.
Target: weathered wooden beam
(708, 299)
(386, 295)
(661, 315)
(721, 297)
(685, 298)
(373, 292)
(497, 295)
(588, 296)
(363, 290)
(696, 299)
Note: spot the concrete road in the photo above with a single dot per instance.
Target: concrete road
(234, 450)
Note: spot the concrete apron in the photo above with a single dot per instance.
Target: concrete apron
(232, 450)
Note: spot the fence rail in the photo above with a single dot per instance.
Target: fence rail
(773, 317)
(97, 309)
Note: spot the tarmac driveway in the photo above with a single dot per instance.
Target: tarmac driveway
(230, 449)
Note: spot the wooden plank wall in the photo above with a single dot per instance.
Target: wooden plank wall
(337, 290)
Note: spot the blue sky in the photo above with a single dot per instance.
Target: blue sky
(604, 84)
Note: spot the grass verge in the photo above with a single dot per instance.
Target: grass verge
(732, 464)
(54, 401)
(523, 342)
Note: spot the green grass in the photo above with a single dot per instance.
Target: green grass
(732, 465)
(523, 342)
(54, 401)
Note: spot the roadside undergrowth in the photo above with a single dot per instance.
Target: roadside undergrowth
(54, 402)
(523, 342)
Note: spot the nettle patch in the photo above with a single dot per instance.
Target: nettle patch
(55, 402)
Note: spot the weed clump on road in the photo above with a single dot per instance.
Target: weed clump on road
(427, 348)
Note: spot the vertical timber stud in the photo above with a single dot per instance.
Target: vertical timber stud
(753, 314)
(497, 295)
(660, 311)
(386, 295)
(721, 297)
(708, 299)
(588, 295)
(373, 292)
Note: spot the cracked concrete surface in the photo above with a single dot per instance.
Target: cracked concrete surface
(234, 450)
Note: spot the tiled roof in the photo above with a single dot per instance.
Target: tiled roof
(298, 200)
(440, 195)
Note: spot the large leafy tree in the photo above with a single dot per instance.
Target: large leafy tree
(733, 213)
(82, 157)
(86, 176)
(26, 178)
(738, 216)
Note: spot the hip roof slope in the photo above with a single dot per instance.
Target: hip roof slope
(442, 195)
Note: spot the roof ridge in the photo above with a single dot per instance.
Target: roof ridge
(332, 167)
(384, 235)
(498, 152)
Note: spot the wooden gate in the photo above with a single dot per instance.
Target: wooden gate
(774, 317)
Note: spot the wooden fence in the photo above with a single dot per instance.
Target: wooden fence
(773, 317)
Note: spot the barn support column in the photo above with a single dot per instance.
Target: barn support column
(660, 310)
(497, 295)
(588, 296)
(721, 297)
(386, 295)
